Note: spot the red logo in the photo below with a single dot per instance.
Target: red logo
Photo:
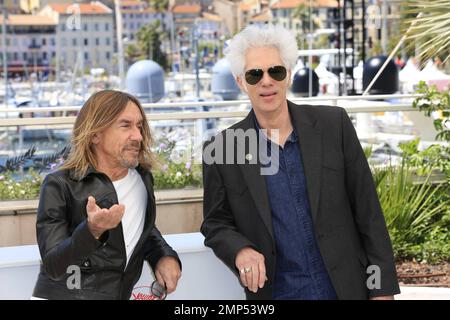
(143, 293)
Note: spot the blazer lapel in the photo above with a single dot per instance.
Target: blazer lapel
(255, 181)
(310, 141)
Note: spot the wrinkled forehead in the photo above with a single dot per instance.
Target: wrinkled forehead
(131, 113)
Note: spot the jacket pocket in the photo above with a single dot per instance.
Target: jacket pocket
(333, 161)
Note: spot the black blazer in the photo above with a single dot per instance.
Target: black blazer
(348, 220)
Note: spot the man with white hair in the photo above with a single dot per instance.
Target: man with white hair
(311, 227)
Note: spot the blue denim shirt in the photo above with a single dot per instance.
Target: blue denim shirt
(300, 271)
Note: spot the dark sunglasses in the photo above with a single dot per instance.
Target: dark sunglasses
(253, 76)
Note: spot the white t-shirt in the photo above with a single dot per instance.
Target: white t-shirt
(132, 194)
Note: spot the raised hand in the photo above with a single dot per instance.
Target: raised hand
(100, 220)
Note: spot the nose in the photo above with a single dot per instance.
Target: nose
(136, 134)
(266, 79)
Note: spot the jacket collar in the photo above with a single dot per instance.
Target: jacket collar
(91, 170)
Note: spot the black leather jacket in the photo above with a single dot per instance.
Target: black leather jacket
(65, 240)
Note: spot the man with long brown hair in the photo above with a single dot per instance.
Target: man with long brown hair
(96, 215)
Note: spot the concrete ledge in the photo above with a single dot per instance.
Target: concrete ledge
(423, 293)
(177, 211)
(162, 196)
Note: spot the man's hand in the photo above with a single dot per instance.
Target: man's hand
(252, 269)
(382, 298)
(100, 220)
(168, 272)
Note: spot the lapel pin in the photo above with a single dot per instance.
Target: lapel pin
(249, 157)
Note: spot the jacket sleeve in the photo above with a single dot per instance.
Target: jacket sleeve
(157, 248)
(218, 227)
(58, 247)
(367, 211)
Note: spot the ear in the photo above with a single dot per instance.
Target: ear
(289, 78)
(96, 139)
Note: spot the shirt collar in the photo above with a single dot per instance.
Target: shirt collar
(293, 137)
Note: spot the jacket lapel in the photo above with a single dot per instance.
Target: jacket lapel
(255, 181)
(310, 141)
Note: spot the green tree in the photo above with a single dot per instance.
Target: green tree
(302, 13)
(148, 45)
(159, 5)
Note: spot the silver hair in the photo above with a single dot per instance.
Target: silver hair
(268, 35)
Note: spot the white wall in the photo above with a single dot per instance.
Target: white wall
(204, 276)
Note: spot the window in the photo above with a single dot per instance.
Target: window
(7, 42)
(86, 41)
(74, 42)
(86, 56)
(96, 27)
(106, 26)
(63, 27)
(63, 42)
(97, 41)
(52, 41)
(53, 54)
(108, 41)
(16, 56)
(24, 55)
(14, 41)
(131, 25)
(44, 55)
(85, 26)
(44, 41)
(108, 55)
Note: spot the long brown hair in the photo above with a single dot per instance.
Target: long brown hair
(97, 114)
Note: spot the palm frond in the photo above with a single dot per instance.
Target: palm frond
(430, 32)
(12, 164)
(52, 160)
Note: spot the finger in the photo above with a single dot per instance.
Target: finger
(91, 204)
(160, 278)
(249, 277)
(118, 210)
(243, 277)
(262, 274)
(171, 283)
(255, 277)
